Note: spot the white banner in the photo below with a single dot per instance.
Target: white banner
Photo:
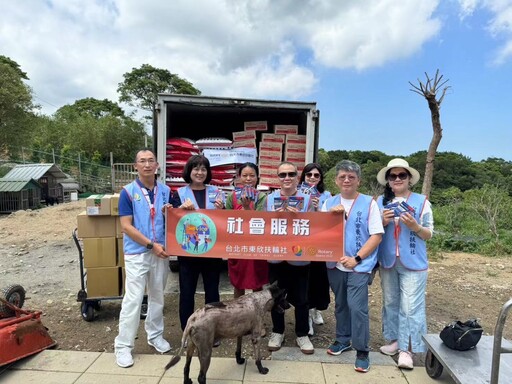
(231, 156)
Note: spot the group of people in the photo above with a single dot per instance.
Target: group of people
(387, 234)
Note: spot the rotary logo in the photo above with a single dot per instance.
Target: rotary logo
(312, 251)
(297, 250)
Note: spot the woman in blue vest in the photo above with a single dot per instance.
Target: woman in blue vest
(403, 261)
(349, 277)
(319, 297)
(197, 195)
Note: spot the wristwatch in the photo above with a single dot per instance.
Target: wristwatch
(149, 245)
(358, 259)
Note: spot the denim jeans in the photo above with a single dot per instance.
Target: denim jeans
(403, 310)
(351, 307)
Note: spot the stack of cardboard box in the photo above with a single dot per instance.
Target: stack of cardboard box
(100, 230)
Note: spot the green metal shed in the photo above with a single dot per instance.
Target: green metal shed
(19, 195)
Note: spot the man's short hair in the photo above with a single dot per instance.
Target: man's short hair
(348, 166)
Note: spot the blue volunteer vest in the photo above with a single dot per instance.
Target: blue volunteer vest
(413, 249)
(323, 198)
(210, 196)
(270, 207)
(356, 230)
(152, 228)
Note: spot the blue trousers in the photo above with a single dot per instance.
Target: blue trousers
(351, 307)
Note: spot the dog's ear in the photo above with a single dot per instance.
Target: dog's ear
(274, 289)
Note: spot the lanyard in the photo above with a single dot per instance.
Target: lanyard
(148, 200)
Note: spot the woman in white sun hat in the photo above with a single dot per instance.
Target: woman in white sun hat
(408, 223)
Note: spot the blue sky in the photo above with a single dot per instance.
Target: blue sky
(354, 58)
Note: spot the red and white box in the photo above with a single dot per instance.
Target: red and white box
(286, 129)
(269, 155)
(295, 157)
(272, 182)
(244, 135)
(270, 163)
(251, 143)
(255, 126)
(271, 147)
(272, 138)
(295, 147)
(296, 139)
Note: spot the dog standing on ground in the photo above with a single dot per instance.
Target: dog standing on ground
(227, 320)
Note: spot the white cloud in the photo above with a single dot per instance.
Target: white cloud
(73, 49)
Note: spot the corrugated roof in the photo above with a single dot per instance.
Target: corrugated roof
(33, 171)
(15, 185)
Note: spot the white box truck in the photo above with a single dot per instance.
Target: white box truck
(197, 117)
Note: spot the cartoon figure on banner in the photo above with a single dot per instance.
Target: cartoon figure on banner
(196, 230)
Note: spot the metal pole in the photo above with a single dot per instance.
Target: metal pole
(53, 153)
(145, 140)
(79, 171)
(22, 155)
(112, 172)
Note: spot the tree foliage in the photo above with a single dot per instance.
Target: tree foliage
(141, 86)
(15, 105)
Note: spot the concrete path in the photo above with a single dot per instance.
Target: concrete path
(287, 366)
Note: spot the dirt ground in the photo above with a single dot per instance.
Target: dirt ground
(38, 252)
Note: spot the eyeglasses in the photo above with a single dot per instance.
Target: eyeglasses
(283, 175)
(348, 177)
(401, 176)
(144, 161)
(313, 174)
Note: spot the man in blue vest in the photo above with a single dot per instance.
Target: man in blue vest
(349, 277)
(146, 262)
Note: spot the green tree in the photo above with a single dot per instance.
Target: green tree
(94, 107)
(141, 86)
(15, 105)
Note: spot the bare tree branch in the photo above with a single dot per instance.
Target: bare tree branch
(429, 91)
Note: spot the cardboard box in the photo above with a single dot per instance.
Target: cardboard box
(270, 146)
(264, 155)
(272, 138)
(255, 126)
(99, 252)
(118, 229)
(286, 129)
(297, 158)
(266, 171)
(120, 252)
(98, 205)
(95, 226)
(295, 147)
(114, 205)
(103, 282)
(244, 135)
(270, 163)
(250, 143)
(272, 182)
(296, 139)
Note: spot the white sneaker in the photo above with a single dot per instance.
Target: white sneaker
(305, 345)
(316, 315)
(124, 358)
(311, 331)
(160, 344)
(405, 360)
(391, 349)
(275, 341)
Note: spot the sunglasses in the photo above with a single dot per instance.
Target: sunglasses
(401, 176)
(283, 175)
(313, 174)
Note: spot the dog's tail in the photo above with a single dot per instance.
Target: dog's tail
(173, 362)
(184, 341)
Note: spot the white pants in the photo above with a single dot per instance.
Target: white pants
(144, 269)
